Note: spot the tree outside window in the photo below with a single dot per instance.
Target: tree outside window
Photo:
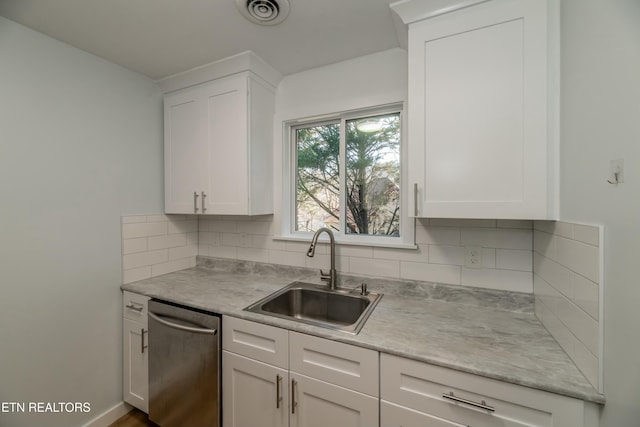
(361, 198)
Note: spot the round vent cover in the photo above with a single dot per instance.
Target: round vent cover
(264, 12)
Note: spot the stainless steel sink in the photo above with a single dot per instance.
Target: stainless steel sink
(341, 309)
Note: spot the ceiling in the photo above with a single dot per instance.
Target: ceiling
(159, 38)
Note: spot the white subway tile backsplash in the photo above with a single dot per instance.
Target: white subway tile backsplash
(586, 295)
(440, 273)
(142, 259)
(544, 244)
(130, 246)
(438, 235)
(182, 226)
(157, 244)
(171, 266)
(253, 254)
(511, 259)
(567, 269)
(255, 227)
(416, 255)
(135, 274)
(498, 238)
(379, 267)
(557, 275)
(238, 240)
(438, 257)
(586, 234)
(230, 252)
(355, 251)
(579, 257)
(287, 258)
(166, 241)
(586, 362)
(146, 229)
(188, 251)
(444, 254)
(518, 281)
(489, 258)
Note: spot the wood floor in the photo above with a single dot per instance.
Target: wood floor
(134, 418)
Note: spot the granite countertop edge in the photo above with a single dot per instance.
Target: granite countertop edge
(227, 287)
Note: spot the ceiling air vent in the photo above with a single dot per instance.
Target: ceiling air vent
(264, 12)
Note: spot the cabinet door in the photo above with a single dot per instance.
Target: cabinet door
(135, 364)
(227, 153)
(478, 112)
(184, 146)
(319, 404)
(253, 393)
(398, 416)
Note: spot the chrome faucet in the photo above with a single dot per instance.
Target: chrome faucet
(332, 276)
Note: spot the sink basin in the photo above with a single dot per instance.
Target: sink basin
(342, 309)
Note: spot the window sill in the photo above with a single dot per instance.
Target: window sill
(347, 242)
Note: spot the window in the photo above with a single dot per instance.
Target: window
(346, 175)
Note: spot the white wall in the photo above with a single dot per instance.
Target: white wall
(80, 144)
(600, 122)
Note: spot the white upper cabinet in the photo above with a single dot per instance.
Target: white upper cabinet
(481, 117)
(218, 146)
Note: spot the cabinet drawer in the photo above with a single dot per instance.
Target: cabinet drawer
(134, 307)
(477, 401)
(392, 415)
(337, 363)
(265, 343)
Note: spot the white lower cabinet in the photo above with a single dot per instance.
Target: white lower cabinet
(330, 386)
(316, 403)
(278, 378)
(412, 391)
(135, 356)
(254, 393)
(392, 415)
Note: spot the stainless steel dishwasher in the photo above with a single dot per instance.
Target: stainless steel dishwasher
(184, 366)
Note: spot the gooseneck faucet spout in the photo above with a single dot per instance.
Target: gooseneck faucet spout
(332, 276)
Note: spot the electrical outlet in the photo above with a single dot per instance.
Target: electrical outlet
(473, 256)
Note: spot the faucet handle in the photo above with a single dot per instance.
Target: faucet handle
(324, 276)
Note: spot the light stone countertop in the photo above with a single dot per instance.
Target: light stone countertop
(490, 333)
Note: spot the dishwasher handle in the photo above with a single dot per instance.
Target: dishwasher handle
(182, 327)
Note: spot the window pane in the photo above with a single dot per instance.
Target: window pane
(373, 175)
(317, 177)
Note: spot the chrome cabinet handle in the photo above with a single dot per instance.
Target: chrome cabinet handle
(182, 327)
(195, 202)
(415, 199)
(293, 396)
(481, 405)
(204, 209)
(142, 346)
(133, 307)
(278, 396)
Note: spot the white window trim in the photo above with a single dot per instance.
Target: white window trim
(406, 240)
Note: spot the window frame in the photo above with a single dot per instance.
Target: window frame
(406, 239)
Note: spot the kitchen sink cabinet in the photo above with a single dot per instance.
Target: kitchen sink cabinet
(217, 146)
(135, 355)
(254, 393)
(324, 392)
(482, 111)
